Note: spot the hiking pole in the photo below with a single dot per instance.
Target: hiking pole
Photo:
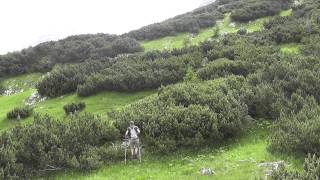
(125, 155)
(140, 154)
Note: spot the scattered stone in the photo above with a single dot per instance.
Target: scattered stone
(34, 99)
(207, 171)
(11, 91)
(232, 24)
(271, 166)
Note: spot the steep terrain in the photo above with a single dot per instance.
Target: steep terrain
(231, 95)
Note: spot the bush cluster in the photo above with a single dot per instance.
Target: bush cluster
(65, 79)
(123, 74)
(298, 131)
(138, 75)
(187, 115)
(82, 142)
(74, 107)
(73, 49)
(192, 22)
(252, 9)
(2, 89)
(311, 170)
(20, 112)
(222, 68)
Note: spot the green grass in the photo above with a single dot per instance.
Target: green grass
(286, 13)
(290, 48)
(100, 104)
(237, 159)
(224, 26)
(25, 82)
(8, 103)
(97, 104)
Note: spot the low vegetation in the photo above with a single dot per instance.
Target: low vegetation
(20, 112)
(72, 108)
(311, 170)
(251, 9)
(47, 144)
(208, 94)
(74, 49)
(184, 115)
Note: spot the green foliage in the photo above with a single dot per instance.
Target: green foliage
(74, 107)
(190, 76)
(222, 68)
(242, 31)
(275, 21)
(47, 144)
(252, 9)
(190, 114)
(298, 131)
(20, 112)
(311, 171)
(73, 49)
(291, 31)
(311, 46)
(136, 75)
(192, 22)
(124, 74)
(66, 79)
(2, 88)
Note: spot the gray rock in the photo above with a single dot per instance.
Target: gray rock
(271, 167)
(207, 171)
(34, 99)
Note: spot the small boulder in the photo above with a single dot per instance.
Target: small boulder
(232, 24)
(206, 171)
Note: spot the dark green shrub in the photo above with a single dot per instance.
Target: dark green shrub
(90, 159)
(73, 49)
(252, 9)
(311, 171)
(311, 46)
(221, 51)
(66, 79)
(20, 112)
(2, 89)
(222, 68)
(191, 114)
(138, 74)
(74, 107)
(82, 142)
(192, 22)
(275, 21)
(298, 132)
(242, 31)
(290, 31)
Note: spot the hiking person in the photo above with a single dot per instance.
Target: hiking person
(132, 133)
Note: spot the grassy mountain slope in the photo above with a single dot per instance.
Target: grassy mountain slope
(224, 26)
(97, 104)
(236, 159)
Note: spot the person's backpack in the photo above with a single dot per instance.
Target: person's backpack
(133, 131)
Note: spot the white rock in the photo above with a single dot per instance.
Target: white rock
(232, 24)
(207, 171)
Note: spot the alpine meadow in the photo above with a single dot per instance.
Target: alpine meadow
(228, 91)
